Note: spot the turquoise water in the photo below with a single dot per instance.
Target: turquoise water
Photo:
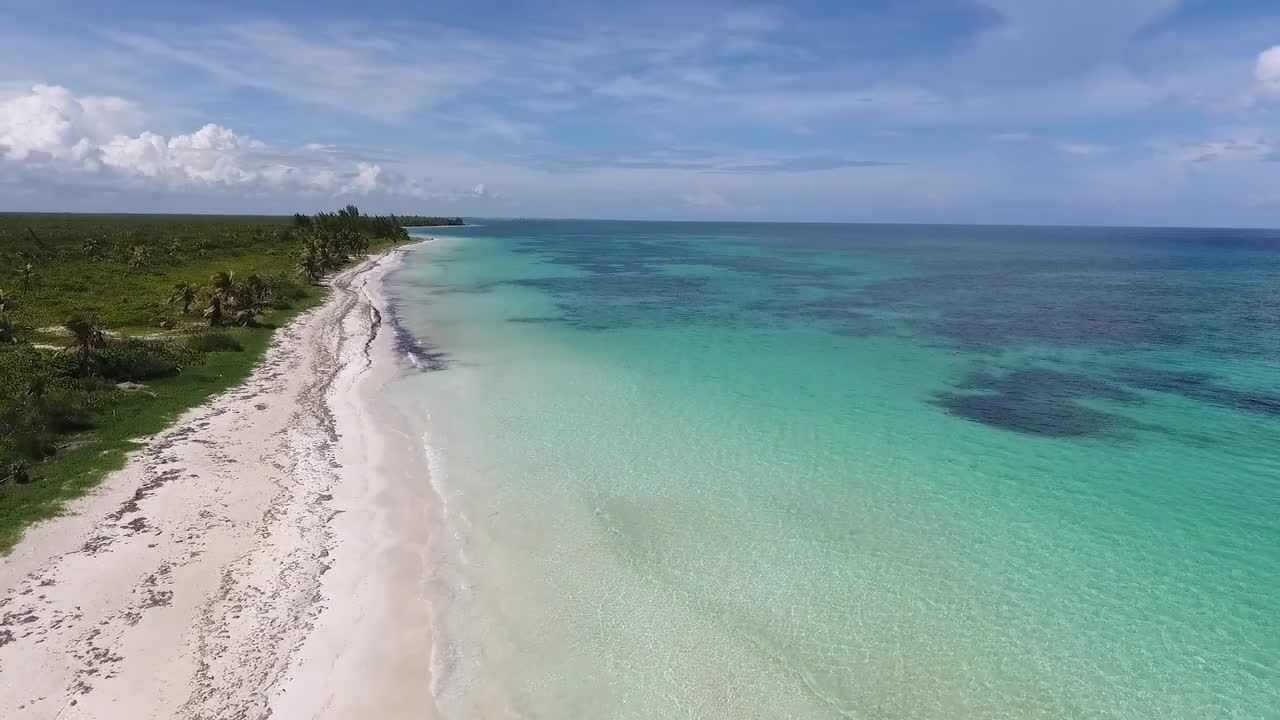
(843, 471)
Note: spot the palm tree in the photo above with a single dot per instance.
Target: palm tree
(213, 307)
(253, 290)
(350, 241)
(223, 283)
(26, 275)
(246, 317)
(248, 299)
(86, 338)
(139, 256)
(310, 266)
(185, 293)
(220, 294)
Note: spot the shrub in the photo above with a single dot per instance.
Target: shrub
(284, 289)
(24, 431)
(137, 360)
(63, 410)
(213, 342)
(17, 471)
(22, 366)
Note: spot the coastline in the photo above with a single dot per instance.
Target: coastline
(259, 556)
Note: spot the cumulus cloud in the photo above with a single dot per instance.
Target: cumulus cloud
(1267, 71)
(365, 180)
(211, 156)
(49, 123)
(52, 133)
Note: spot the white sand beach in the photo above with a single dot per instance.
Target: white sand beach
(259, 558)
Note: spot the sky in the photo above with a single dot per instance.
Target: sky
(1126, 112)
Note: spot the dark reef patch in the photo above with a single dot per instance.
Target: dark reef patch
(1201, 387)
(990, 310)
(980, 290)
(607, 302)
(629, 277)
(1029, 415)
(1049, 383)
(992, 326)
(535, 320)
(837, 314)
(1038, 401)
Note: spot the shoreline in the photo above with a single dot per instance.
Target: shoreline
(264, 554)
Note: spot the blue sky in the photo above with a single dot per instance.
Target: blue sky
(1005, 111)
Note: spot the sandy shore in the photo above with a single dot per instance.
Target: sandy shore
(260, 558)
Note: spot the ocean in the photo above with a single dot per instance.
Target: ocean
(723, 470)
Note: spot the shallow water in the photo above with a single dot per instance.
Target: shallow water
(824, 471)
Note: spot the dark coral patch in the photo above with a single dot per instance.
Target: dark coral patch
(1201, 387)
(1049, 383)
(1037, 401)
(1029, 415)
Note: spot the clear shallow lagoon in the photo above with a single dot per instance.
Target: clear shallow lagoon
(850, 471)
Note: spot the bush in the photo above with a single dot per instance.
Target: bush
(30, 424)
(137, 360)
(63, 410)
(23, 367)
(284, 289)
(18, 471)
(285, 285)
(24, 431)
(213, 342)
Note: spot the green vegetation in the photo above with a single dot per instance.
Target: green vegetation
(93, 306)
(339, 218)
(421, 221)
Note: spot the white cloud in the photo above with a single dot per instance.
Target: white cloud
(1226, 145)
(500, 126)
(1081, 148)
(549, 105)
(1032, 65)
(324, 67)
(51, 133)
(629, 87)
(1267, 71)
(365, 180)
(1033, 60)
(49, 123)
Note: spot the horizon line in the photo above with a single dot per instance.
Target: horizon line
(531, 218)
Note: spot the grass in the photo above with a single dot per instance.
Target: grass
(120, 269)
(91, 265)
